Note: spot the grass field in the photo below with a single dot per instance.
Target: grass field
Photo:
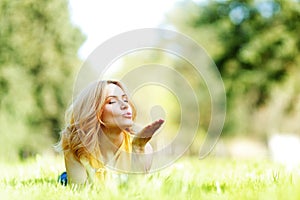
(187, 178)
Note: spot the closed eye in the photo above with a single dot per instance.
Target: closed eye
(125, 98)
(111, 100)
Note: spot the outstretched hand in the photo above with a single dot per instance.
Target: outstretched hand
(142, 137)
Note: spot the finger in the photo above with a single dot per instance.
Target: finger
(157, 124)
(149, 130)
(160, 121)
(154, 126)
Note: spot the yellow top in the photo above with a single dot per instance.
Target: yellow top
(120, 162)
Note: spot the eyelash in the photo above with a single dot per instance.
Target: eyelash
(112, 102)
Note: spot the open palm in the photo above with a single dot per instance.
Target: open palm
(143, 136)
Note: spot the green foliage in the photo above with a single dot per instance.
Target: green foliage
(255, 45)
(188, 178)
(38, 56)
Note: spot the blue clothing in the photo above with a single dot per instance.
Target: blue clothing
(63, 179)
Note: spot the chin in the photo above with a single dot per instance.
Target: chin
(127, 125)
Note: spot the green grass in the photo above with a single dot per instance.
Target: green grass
(188, 178)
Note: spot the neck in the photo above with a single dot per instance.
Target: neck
(111, 138)
(110, 141)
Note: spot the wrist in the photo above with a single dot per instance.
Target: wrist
(138, 148)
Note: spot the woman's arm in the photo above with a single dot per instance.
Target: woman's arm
(75, 170)
(141, 148)
(142, 158)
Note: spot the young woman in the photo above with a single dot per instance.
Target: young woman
(99, 135)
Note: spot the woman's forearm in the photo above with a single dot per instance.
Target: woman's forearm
(142, 158)
(75, 170)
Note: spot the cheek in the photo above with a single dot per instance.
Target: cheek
(129, 108)
(107, 114)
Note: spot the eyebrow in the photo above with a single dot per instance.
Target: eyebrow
(114, 96)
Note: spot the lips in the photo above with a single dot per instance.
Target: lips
(127, 115)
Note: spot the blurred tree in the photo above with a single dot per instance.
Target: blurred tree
(255, 45)
(38, 58)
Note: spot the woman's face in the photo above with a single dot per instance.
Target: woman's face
(117, 113)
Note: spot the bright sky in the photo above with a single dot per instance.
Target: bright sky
(100, 20)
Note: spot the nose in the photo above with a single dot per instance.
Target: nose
(124, 105)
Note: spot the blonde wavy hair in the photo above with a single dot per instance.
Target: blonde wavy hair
(83, 122)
